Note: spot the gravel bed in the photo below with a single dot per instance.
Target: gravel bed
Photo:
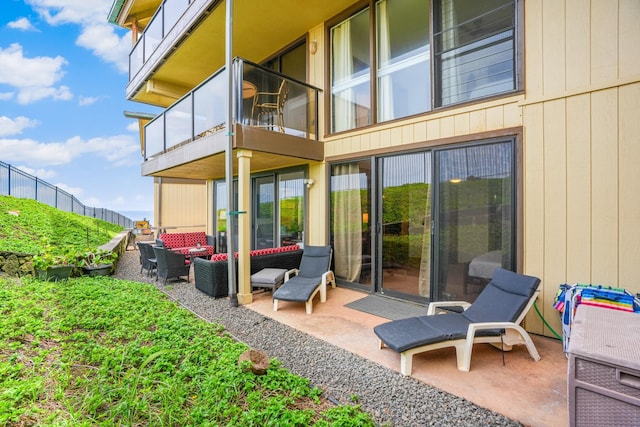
(392, 399)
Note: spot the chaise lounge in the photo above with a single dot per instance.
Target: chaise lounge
(493, 318)
(311, 278)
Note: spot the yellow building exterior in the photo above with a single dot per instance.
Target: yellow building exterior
(426, 141)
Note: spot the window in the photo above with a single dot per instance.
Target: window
(350, 73)
(474, 49)
(473, 56)
(402, 32)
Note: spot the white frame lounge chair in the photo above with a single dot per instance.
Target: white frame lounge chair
(493, 318)
(312, 277)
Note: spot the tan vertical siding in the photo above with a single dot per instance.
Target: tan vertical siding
(628, 38)
(553, 46)
(555, 197)
(604, 41)
(533, 47)
(579, 189)
(604, 178)
(183, 205)
(629, 178)
(579, 55)
(533, 203)
(581, 145)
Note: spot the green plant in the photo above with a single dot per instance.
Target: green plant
(52, 258)
(124, 354)
(96, 258)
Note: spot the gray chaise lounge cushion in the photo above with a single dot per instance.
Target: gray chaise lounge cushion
(315, 262)
(502, 300)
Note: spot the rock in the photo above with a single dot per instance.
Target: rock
(259, 361)
(11, 265)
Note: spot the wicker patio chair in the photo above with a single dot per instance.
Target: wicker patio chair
(170, 264)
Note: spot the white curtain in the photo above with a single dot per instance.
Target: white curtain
(424, 277)
(448, 62)
(343, 98)
(347, 222)
(385, 89)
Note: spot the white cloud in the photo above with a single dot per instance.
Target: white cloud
(93, 201)
(75, 191)
(85, 101)
(5, 96)
(30, 95)
(106, 44)
(10, 127)
(40, 173)
(21, 24)
(34, 153)
(34, 78)
(134, 127)
(96, 35)
(84, 12)
(118, 150)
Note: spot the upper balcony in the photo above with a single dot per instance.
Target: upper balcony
(275, 116)
(179, 43)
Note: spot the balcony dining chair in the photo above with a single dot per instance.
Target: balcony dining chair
(311, 277)
(148, 259)
(268, 108)
(493, 318)
(170, 264)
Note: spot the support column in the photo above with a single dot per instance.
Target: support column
(244, 226)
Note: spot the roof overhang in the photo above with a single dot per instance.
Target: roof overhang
(195, 47)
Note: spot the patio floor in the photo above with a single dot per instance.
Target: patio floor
(533, 393)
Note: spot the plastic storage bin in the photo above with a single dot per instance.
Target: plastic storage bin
(604, 368)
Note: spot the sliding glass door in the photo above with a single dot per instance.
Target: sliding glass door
(405, 218)
(430, 225)
(474, 231)
(277, 210)
(350, 221)
(264, 212)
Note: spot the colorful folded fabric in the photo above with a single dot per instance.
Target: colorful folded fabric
(569, 297)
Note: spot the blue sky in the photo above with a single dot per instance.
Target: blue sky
(63, 72)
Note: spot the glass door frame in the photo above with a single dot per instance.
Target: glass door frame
(375, 205)
(437, 272)
(380, 227)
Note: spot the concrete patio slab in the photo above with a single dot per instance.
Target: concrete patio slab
(533, 393)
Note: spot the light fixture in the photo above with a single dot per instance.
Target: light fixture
(455, 180)
(313, 47)
(308, 182)
(365, 218)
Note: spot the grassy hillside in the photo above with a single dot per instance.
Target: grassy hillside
(28, 226)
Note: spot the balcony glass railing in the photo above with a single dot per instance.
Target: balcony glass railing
(161, 23)
(262, 99)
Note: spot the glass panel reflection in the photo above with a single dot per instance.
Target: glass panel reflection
(475, 230)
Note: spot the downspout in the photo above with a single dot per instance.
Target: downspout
(231, 218)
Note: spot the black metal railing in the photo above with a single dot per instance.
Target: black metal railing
(17, 183)
(262, 98)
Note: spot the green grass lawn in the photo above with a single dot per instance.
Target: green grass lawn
(28, 226)
(101, 351)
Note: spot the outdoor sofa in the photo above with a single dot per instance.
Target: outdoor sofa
(182, 242)
(211, 276)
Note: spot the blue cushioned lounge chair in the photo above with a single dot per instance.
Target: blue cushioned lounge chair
(312, 277)
(493, 318)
